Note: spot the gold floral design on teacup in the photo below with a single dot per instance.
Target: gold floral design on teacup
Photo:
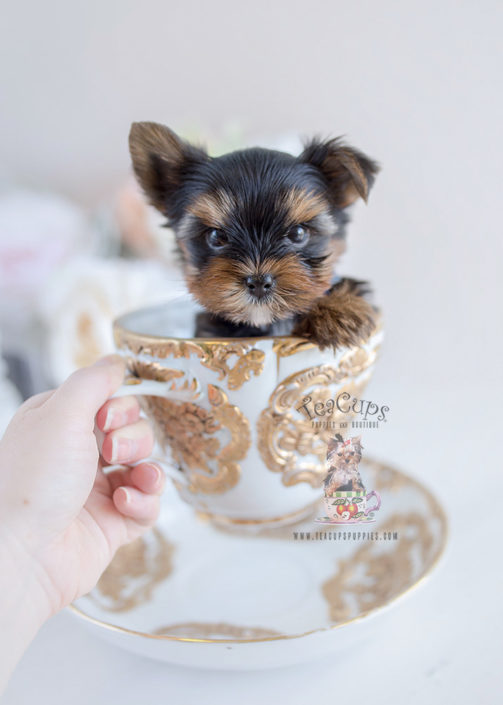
(284, 347)
(284, 434)
(194, 435)
(248, 362)
(234, 361)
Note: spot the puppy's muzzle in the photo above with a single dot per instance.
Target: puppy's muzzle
(260, 286)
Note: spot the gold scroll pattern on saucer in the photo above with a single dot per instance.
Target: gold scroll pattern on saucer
(379, 571)
(284, 433)
(135, 571)
(212, 630)
(235, 362)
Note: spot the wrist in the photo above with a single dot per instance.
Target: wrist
(24, 604)
(23, 583)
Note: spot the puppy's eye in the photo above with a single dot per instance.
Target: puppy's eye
(298, 234)
(216, 239)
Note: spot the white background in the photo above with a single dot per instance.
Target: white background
(417, 85)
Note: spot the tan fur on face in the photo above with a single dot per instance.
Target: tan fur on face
(303, 206)
(214, 209)
(221, 288)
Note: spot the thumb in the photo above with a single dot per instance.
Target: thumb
(87, 389)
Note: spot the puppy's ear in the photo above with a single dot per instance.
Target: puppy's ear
(161, 162)
(348, 172)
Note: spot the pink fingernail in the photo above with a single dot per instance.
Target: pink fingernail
(154, 472)
(127, 496)
(112, 359)
(123, 449)
(108, 420)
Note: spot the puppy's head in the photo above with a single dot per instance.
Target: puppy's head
(258, 230)
(346, 453)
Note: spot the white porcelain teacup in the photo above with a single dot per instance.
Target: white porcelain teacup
(226, 411)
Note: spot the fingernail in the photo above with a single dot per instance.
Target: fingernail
(108, 360)
(126, 494)
(154, 472)
(123, 449)
(108, 419)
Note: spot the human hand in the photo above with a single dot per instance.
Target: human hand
(62, 517)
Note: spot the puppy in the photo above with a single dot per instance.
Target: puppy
(344, 475)
(259, 232)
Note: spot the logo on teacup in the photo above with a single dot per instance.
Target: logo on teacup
(347, 411)
(346, 499)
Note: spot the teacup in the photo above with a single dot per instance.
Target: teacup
(351, 507)
(226, 411)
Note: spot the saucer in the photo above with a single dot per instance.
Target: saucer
(193, 594)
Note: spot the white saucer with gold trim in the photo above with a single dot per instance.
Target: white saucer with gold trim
(193, 594)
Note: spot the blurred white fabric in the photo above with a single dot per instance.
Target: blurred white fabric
(38, 233)
(82, 300)
(62, 282)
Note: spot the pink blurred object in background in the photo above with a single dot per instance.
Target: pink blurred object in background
(63, 281)
(38, 232)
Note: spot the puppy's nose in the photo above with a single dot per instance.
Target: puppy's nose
(260, 285)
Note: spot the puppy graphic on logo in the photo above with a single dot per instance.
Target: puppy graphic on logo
(343, 457)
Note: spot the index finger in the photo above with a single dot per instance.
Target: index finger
(87, 389)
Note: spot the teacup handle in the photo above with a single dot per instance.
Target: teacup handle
(376, 507)
(188, 391)
(166, 390)
(169, 470)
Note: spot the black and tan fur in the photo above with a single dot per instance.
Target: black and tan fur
(259, 233)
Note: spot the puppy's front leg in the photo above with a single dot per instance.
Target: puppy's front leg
(340, 318)
(209, 325)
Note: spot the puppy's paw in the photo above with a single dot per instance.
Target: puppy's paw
(341, 318)
(357, 287)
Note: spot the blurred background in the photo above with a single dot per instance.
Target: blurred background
(414, 84)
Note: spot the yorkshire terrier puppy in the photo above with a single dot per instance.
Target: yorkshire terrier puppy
(259, 233)
(343, 458)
